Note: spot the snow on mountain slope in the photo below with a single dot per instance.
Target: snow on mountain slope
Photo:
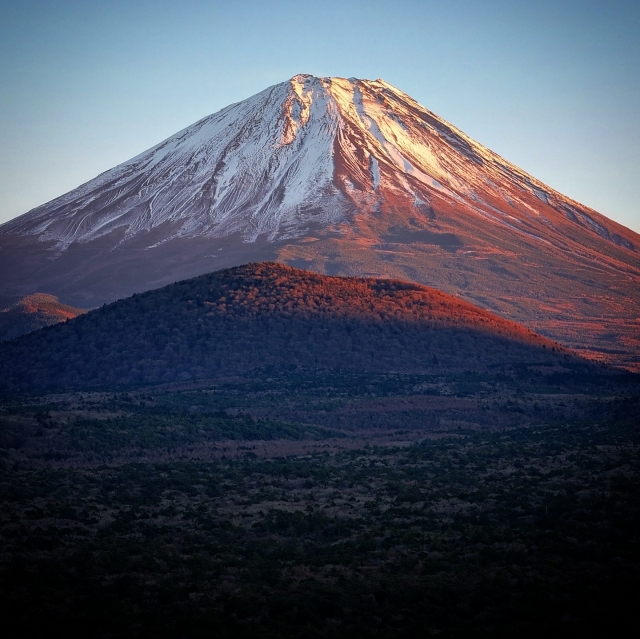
(248, 168)
(307, 150)
(340, 176)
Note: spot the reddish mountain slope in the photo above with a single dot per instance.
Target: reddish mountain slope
(269, 315)
(33, 312)
(341, 176)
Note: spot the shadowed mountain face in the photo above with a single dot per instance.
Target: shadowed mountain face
(340, 176)
(268, 315)
(33, 312)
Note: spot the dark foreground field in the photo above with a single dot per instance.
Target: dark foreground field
(324, 505)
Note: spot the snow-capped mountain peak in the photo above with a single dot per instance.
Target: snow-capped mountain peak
(307, 151)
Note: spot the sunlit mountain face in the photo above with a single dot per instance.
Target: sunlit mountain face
(33, 312)
(268, 316)
(339, 176)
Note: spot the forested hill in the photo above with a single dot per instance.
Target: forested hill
(270, 315)
(33, 312)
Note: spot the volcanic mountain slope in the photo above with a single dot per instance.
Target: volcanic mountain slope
(341, 176)
(33, 312)
(271, 315)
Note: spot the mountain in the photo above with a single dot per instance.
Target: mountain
(340, 176)
(33, 312)
(265, 316)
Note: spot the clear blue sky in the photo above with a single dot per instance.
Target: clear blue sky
(553, 86)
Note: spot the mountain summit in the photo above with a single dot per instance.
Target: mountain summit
(341, 176)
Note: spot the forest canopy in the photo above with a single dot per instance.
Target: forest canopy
(266, 314)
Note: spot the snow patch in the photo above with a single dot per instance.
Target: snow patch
(375, 172)
(541, 195)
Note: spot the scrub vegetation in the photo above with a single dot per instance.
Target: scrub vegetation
(336, 504)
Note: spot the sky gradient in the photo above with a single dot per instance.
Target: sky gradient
(554, 87)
